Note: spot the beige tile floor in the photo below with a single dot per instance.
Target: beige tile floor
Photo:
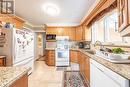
(45, 76)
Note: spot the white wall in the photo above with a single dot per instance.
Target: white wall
(39, 45)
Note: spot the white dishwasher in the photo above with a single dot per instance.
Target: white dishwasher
(100, 76)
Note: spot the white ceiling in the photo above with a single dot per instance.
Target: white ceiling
(71, 11)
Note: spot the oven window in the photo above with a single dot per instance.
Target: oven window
(62, 54)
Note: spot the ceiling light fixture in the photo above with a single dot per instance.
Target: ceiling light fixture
(51, 9)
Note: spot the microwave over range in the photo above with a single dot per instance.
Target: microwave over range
(51, 37)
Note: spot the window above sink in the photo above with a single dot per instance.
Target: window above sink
(105, 30)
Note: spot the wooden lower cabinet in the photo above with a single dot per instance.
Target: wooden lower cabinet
(81, 64)
(50, 58)
(87, 68)
(22, 82)
(84, 64)
(79, 57)
(62, 31)
(74, 56)
(2, 62)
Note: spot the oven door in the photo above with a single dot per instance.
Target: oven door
(62, 55)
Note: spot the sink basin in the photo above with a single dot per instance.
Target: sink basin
(90, 51)
(111, 57)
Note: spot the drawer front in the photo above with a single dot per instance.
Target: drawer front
(52, 62)
(51, 55)
(51, 52)
(51, 59)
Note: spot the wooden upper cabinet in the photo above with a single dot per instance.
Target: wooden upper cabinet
(87, 33)
(124, 13)
(54, 30)
(13, 20)
(83, 32)
(79, 33)
(74, 33)
(59, 31)
(66, 32)
(71, 33)
(62, 31)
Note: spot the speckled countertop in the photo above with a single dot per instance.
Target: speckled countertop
(121, 69)
(8, 75)
(2, 56)
(73, 49)
(50, 48)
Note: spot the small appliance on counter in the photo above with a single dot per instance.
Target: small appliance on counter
(84, 45)
(81, 45)
(87, 45)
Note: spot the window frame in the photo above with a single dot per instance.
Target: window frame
(106, 31)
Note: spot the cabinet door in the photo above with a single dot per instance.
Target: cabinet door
(79, 33)
(1, 62)
(83, 65)
(83, 32)
(87, 68)
(50, 31)
(72, 34)
(65, 32)
(73, 56)
(123, 14)
(69, 32)
(55, 30)
(79, 57)
(50, 58)
(21, 82)
(80, 60)
(59, 31)
(87, 33)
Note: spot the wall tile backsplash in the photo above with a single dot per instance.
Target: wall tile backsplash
(72, 44)
(50, 44)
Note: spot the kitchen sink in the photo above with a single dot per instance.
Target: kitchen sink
(114, 58)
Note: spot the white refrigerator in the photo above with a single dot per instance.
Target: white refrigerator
(18, 47)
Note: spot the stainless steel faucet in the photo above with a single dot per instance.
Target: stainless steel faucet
(99, 43)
